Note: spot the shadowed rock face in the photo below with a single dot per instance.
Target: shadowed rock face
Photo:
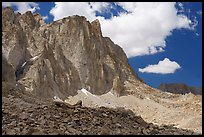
(8, 74)
(180, 88)
(59, 58)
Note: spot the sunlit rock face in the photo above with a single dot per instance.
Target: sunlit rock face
(59, 58)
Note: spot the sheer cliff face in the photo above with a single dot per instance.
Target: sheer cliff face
(64, 56)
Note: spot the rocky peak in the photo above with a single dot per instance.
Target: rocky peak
(62, 57)
(96, 27)
(8, 16)
(39, 19)
(28, 21)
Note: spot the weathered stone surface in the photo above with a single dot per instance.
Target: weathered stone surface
(59, 58)
(24, 116)
(8, 73)
(14, 42)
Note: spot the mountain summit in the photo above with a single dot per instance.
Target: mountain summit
(59, 58)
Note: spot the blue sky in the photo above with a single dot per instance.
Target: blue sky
(163, 41)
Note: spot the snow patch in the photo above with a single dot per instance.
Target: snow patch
(85, 91)
(57, 99)
(24, 64)
(110, 93)
(147, 98)
(34, 58)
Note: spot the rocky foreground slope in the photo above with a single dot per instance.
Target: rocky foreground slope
(26, 114)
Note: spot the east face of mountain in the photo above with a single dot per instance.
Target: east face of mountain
(59, 58)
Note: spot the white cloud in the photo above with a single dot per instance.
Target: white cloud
(64, 9)
(22, 7)
(163, 67)
(87, 9)
(181, 10)
(141, 31)
(45, 17)
(129, 6)
(99, 6)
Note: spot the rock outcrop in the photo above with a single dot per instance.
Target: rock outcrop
(59, 58)
(180, 88)
(8, 73)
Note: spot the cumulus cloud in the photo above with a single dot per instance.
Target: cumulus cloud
(99, 6)
(142, 30)
(22, 7)
(163, 67)
(87, 9)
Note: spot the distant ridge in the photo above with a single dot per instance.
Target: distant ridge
(180, 88)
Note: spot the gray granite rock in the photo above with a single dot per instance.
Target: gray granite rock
(59, 58)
